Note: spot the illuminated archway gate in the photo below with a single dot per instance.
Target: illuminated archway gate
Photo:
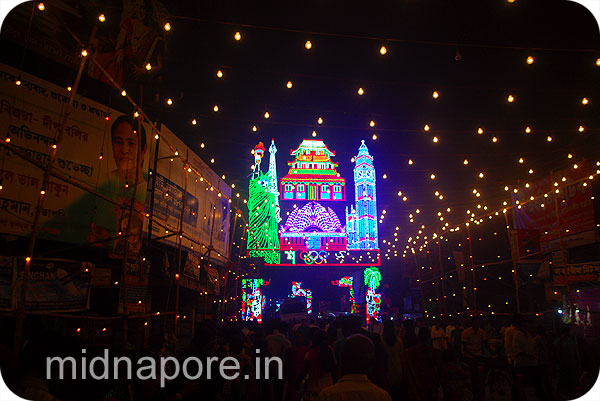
(313, 235)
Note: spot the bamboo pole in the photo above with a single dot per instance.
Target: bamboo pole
(40, 203)
(514, 264)
(472, 269)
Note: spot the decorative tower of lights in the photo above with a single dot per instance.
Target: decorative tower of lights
(273, 183)
(263, 227)
(361, 219)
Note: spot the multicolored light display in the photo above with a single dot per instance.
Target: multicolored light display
(298, 291)
(313, 234)
(372, 280)
(253, 300)
(347, 282)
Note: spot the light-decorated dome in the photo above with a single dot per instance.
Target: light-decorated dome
(313, 217)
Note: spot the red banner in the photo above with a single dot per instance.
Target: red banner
(575, 207)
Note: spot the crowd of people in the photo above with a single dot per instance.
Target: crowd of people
(341, 360)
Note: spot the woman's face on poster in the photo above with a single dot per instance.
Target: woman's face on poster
(125, 143)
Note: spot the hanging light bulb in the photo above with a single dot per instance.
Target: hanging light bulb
(435, 94)
(314, 134)
(374, 136)
(521, 160)
(219, 74)
(308, 45)
(254, 128)
(361, 91)
(383, 50)
(510, 98)
(435, 139)
(319, 120)
(41, 6)
(267, 115)
(169, 101)
(494, 139)
(237, 36)
(123, 93)
(216, 108)
(581, 128)
(410, 162)
(148, 66)
(465, 162)
(598, 61)
(530, 59)
(194, 122)
(480, 130)
(432, 176)
(584, 100)
(167, 27)
(101, 18)
(289, 84)
(426, 127)
(549, 138)
(527, 129)
(481, 175)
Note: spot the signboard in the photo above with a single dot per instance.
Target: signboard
(317, 258)
(206, 215)
(575, 209)
(55, 285)
(583, 272)
(98, 151)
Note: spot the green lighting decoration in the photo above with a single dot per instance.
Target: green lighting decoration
(372, 277)
(263, 227)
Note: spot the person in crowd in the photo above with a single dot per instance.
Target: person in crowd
(410, 338)
(277, 342)
(524, 359)
(394, 352)
(474, 340)
(449, 329)
(567, 359)
(452, 376)
(423, 363)
(319, 364)
(545, 373)
(358, 357)
(438, 337)
(509, 335)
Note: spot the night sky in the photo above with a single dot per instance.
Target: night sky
(473, 53)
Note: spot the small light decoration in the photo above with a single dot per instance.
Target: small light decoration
(216, 108)
(84, 53)
(148, 66)
(123, 93)
(528, 130)
(584, 100)
(510, 98)
(267, 115)
(298, 291)
(101, 18)
(374, 137)
(167, 27)
(480, 130)
(432, 176)
(194, 122)
(372, 278)
(435, 94)
(320, 120)
(435, 139)
(253, 301)
(494, 139)
(289, 84)
(465, 162)
(581, 128)
(237, 36)
(169, 101)
(481, 175)
(361, 91)
(371, 123)
(530, 60)
(219, 74)
(426, 127)
(410, 162)
(549, 138)
(383, 50)
(254, 128)
(41, 6)
(308, 45)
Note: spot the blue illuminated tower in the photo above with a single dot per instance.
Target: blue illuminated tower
(361, 219)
